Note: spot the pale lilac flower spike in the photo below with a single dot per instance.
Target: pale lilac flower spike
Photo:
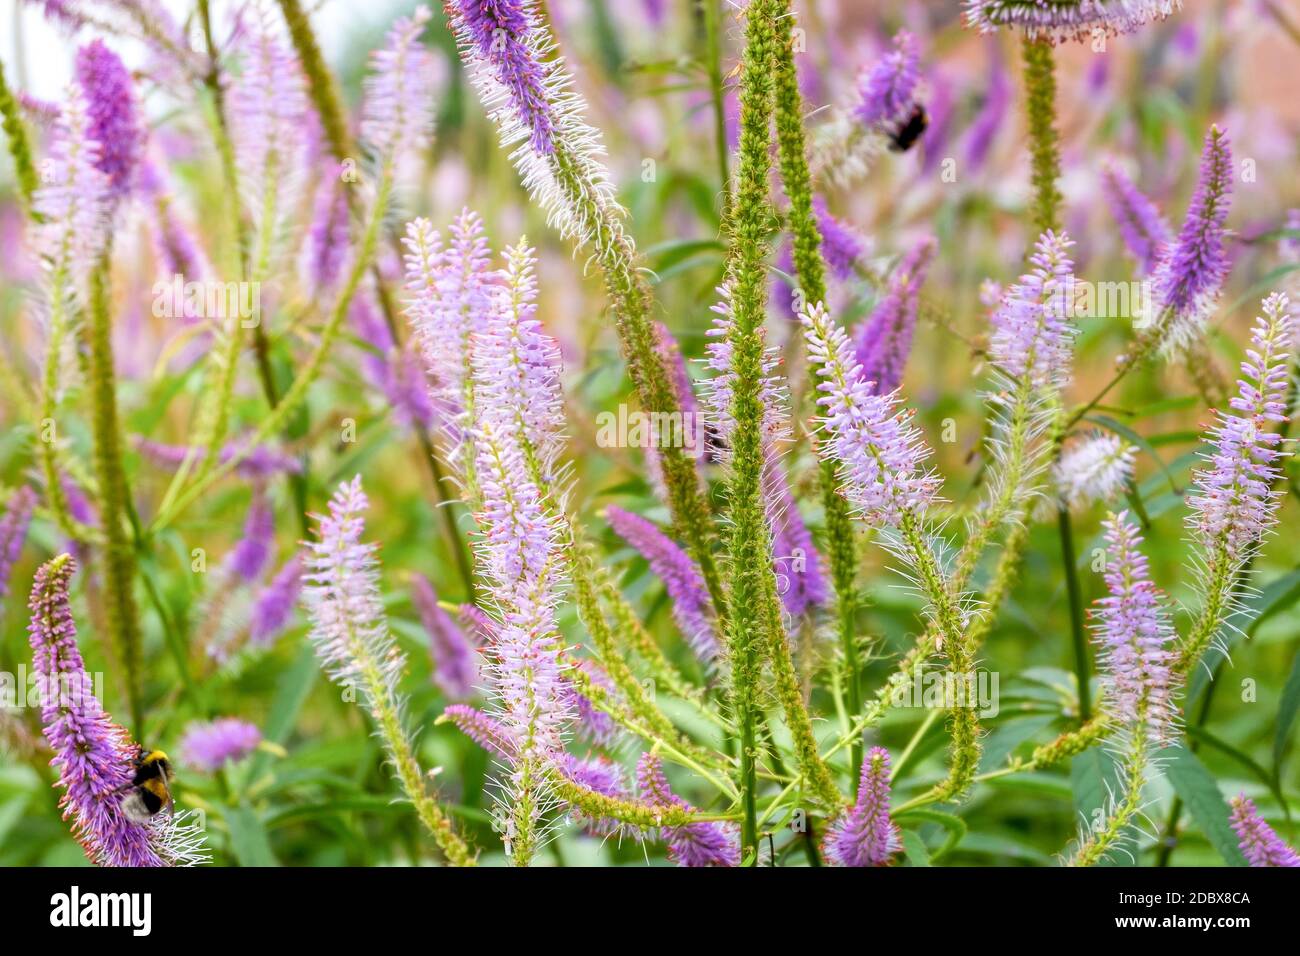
(1143, 229)
(1057, 20)
(1031, 335)
(865, 835)
(1135, 636)
(681, 577)
(1236, 503)
(74, 199)
(397, 112)
(210, 746)
(1259, 843)
(697, 844)
(880, 453)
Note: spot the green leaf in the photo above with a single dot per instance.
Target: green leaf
(1277, 596)
(1260, 774)
(248, 840)
(1197, 789)
(914, 849)
(1286, 713)
(294, 688)
(955, 826)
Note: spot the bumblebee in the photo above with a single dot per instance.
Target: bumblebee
(905, 137)
(149, 790)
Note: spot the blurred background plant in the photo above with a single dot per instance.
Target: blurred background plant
(308, 784)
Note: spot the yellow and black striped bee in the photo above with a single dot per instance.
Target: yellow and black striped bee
(905, 137)
(149, 790)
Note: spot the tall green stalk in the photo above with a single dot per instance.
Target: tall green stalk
(297, 392)
(115, 504)
(1077, 632)
(748, 538)
(20, 145)
(1044, 143)
(810, 270)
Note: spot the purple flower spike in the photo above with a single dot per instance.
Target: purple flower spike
(841, 246)
(262, 462)
(984, 128)
(268, 107)
(13, 532)
(212, 745)
(1057, 20)
(1259, 843)
(480, 628)
(865, 836)
(884, 340)
(248, 559)
(595, 724)
(1236, 503)
(488, 732)
(1144, 230)
(326, 247)
(881, 454)
(1187, 280)
(397, 372)
(454, 670)
(94, 757)
(693, 439)
(603, 776)
(1030, 333)
(889, 88)
(717, 388)
(274, 606)
(698, 844)
(502, 33)
(1133, 630)
(681, 577)
(800, 575)
(110, 104)
(1288, 247)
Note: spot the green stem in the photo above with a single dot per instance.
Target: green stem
(810, 268)
(717, 95)
(1094, 848)
(750, 574)
(1044, 144)
(20, 145)
(275, 421)
(1082, 669)
(115, 509)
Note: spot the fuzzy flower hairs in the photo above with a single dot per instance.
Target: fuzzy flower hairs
(1132, 629)
(1236, 503)
(1058, 20)
(94, 757)
(350, 632)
